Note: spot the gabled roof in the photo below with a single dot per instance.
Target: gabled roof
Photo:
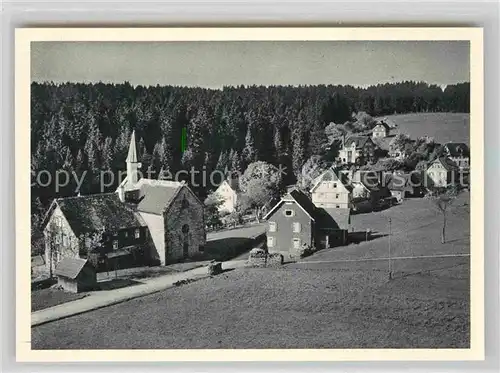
(389, 122)
(156, 195)
(334, 218)
(360, 141)
(447, 163)
(457, 149)
(233, 183)
(70, 267)
(383, 124)
(332, 174)
(94, 213)
(300, 199)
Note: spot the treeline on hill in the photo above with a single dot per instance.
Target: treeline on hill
(86, 128)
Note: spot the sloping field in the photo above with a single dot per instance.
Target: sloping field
(324, 302)
(444, 127)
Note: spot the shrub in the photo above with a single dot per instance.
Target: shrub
(306, 250)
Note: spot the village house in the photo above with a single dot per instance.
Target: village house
(331, 190)
(95, 227)
(442, 173)
(381, 130)
(145, 222)
(294, 223)
(228, 192)
(356, 150)
(404, 185)
(367, 190)
(401, 153)
(459, 153)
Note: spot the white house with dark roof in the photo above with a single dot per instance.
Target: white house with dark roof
(356, 149)
(381, 130)
(442, 173)
(331, 189)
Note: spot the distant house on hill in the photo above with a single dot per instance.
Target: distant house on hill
(459, 153)
(228, 192)
(331, 190)
(442, 173)
(356, 149)
(381, 130)
(389, 122)
(401, 153)
(294, 222)
(145, 222)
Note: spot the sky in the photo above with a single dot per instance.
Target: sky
(218, 64)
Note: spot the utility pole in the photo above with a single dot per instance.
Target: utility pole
(390, 264)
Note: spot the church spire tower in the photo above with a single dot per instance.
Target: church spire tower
(133, 164)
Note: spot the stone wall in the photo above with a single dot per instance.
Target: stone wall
(259, 258)
(184, 210)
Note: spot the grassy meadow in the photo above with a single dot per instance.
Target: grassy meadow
(444, 127)
(329, 300)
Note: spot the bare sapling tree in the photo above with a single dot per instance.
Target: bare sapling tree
(443, 198)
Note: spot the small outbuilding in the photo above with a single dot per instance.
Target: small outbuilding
(76, 275)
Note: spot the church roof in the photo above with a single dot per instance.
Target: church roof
(132, 151)
(98, 212)
(156, 195)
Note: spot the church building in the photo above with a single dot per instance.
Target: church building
(145, 222)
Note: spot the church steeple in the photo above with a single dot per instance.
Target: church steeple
(132, 152)
(132, 163)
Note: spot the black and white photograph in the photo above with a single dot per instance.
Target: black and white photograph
(251, 194)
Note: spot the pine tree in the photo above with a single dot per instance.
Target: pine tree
(223, 161)
(236, 164)
(107, 153)
(249, 152)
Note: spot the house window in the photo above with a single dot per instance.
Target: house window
(289, 213)
(270, 241)
(296, 243)
(337, 196)
(296, 227)
(337, 206)
(137, 233)
(126, 234)
(115, 244)
(334, 185)
(272, 226)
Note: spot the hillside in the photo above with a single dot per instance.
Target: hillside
(443, 127)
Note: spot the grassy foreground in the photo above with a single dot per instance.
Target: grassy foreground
(323, 302)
